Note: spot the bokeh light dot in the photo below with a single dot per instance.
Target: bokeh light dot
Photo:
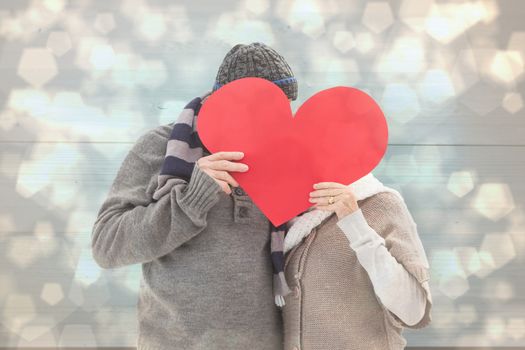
(37, 66)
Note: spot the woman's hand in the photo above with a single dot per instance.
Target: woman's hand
(344, 200)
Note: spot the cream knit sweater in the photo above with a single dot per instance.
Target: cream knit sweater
(342, 298)
(387, 275)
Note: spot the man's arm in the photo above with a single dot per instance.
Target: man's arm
(131, 228)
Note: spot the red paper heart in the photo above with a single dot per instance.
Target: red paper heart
(338, 135)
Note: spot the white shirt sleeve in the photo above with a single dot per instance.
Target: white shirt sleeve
(397, 289)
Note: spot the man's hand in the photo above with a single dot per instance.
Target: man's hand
(344, 200)
(218, 166)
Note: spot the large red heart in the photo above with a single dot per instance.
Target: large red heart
(339, 134)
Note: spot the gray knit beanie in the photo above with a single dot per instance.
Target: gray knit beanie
(257, 60)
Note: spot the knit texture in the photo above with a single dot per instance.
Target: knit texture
(333, 304)
(301, 226)
(257, 60)
(206, 269)
(183, 150)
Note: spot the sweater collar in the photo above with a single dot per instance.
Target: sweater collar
(301, 226)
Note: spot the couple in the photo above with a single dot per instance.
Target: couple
(350, 273)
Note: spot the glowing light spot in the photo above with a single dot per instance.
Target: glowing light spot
(59, 43)
(102, 57)
(23, 251)
(460, 183)
(8, 120)
(494, 327)
(516, 328)
(513, 102)
(37, 66)
(104, 22)
(44, 230)
(377, 16)
(468, 258)
(37, 336)
(343, 41)
(17, 311)
(6, 223)
(454, 286)
(517, 43)
(41, 170)
(152, 26)
(443, 28)
(52, 293)
(445, 263)
(499, 247)
(501, 290)
(448, 270)
(95, 49)
(447, 21)
(400, 102)
(507, 66)
(483, 98)
(436, 86)
(493, 200)
(257, 6)
(406, 57)
(304, 16)
(87, 270)
(464, 73)
(33, 102)
(414, 12)
(402, 167)
(487, 264)
(364, 42)
(54, 5)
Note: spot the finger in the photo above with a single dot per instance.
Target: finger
(226, 165)
(326, 192)
(226, 155)
(329, 207)
(321, 185)
(224, 186)
(225, 176)
(322, 200)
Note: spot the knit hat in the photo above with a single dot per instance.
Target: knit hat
(257, 60)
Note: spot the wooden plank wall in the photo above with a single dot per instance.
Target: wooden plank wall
(81, 81)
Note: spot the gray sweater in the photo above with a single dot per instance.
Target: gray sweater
(205, 255)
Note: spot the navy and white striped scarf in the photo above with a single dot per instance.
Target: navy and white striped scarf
(183, 150)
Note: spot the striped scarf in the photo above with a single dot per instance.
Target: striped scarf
(183, 150)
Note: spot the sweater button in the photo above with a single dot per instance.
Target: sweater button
(238, 191)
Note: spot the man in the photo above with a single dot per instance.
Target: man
(204, 249)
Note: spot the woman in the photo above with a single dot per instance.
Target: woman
(357, 270)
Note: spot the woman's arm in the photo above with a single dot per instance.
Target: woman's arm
(398, 290)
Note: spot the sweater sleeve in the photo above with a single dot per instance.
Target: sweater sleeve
(399, 291)
(131, 228)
